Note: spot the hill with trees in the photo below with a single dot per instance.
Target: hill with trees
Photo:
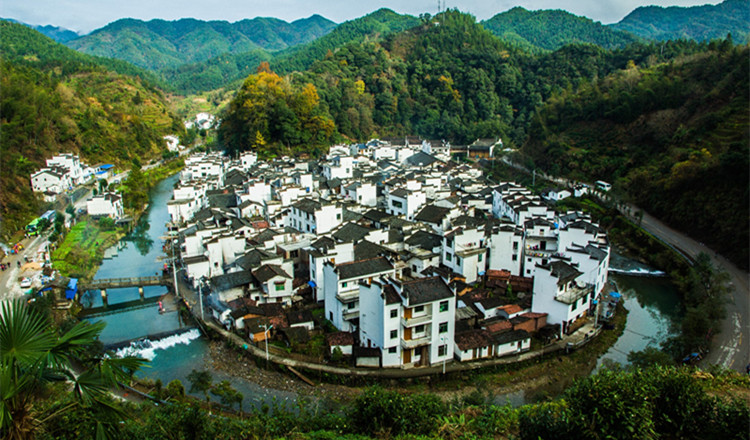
(553, 29)
(673, 137)
(159, 44)
(59, 34)
(700, 23)
(54, 100)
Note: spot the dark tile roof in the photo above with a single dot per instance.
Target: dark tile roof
(563, 271)
(375, 215)
(231, 280)
(511, 336)
(264, 236)
(421, 159)
(473, 339)
(360, 268)
(298, 317)
(351, 232)
(307, 205)
(425, 240)
(323, 243)
(424, 290)
(222, 200)
(432, 214)
(400, 192)
(391, 296)
(254, 259)
(268, 271)
(367, 249)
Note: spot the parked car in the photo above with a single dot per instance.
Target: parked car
(26, 283)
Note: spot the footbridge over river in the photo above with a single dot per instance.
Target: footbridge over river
(103, 284)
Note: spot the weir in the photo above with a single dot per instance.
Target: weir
(151, 337)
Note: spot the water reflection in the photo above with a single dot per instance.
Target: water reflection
(140, 236)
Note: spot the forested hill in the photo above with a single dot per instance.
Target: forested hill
(673, 137)
(57, 33)
(552, 29)
(698, 22)
(231, 69)
(54, 100)
(159, 44)
(447, 77)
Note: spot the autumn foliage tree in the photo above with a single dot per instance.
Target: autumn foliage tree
(272, 116)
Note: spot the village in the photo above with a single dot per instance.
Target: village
(387, 253)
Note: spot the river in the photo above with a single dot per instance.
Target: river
(652, 303)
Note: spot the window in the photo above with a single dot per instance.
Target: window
(397, 204)
(338, 216)
(343, 285)
(418, 309)
(279, 286)
(351, 305)
(392, 350)
(479, 258)
(449, 242)
(448, 257)
(515, 245)
(394, 334)
(442, 350)
(444, 306)
(515, 257)
(443, 328)
(419, 328)
(458, 260)
(394, 313)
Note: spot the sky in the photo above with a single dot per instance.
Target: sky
(83, 16)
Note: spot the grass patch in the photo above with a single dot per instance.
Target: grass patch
(82, 251)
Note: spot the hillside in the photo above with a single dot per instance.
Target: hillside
(228, 70)
(673, 138)
(700, 23)
(159, 44)
(57, 100)
(59, 34)
(552, 29)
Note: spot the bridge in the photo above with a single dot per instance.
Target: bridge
(103, 284)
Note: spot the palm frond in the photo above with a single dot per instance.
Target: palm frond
(24, 333)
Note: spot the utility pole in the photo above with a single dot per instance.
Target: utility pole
(265, 333)
(200, 295)
(174, 270)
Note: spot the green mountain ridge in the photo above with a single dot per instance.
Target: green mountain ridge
(159, 44)
(54, 100)
(552, 29)
(700, 23)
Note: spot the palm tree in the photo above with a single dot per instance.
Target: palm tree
(33, 354)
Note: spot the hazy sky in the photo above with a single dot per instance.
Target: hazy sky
(87, 15)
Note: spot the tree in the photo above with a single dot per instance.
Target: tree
(200, 381)
(227, 394)
(33, 355)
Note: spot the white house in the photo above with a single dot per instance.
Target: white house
(506, 249)
(312, 216)
(464, 252)
(559, 293)
(50, 181)
(411, 322)
(405, 202)
(341, 287)
(105, 205)
(324, 250)
(173, 142)
(341, 167)
(275, 283)
(364, 193)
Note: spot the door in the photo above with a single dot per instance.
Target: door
(407, 356)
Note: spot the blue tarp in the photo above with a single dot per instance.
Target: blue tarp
(615, 295)
(70, 292)
(105, 166)
(311, 283)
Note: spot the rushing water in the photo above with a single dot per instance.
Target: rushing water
(652, 302)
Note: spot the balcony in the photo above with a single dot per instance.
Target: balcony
(575, 293)
(411, 322)
(416, 342)
(347, 297)
(350, 314)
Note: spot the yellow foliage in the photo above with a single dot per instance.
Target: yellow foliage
(359, 85)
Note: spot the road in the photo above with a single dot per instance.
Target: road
(9, 279)
(731, 346)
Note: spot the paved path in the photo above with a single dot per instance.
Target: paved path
(9, 284)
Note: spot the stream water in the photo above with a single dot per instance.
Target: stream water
(651, 300)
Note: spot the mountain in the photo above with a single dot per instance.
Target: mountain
(54, 100)
(552, 29)
(159, 44)
(700, 23)
(230, 68)
(673, 137)
(59, 34)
